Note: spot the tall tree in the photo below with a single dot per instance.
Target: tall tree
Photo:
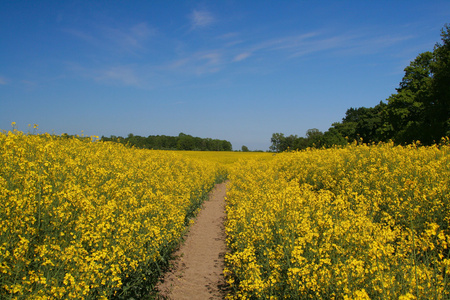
(278, 141)
(421, 108)
(314, 137)
(359, 123)
(439, 106)
(332, 137)
(405, 113)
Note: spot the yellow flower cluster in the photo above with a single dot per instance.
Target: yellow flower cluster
(358, 222)
(227, 157)
(224, 160)
(89, 220)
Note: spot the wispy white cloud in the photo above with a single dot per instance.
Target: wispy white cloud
(212, 58)
(230, 39)
(302, 44)
(89, 38)
(179, 63)
(124, 39)
(129, 39)
(287, 42)
(3, 80)
(233, 43)
(220, 55)
(313, 42)
(229, 35)
(363, 45)
(28, 84)
(201, 18)
(242, 56)
(117, 74)
(320, 44)
(198, 63)
(123, 74)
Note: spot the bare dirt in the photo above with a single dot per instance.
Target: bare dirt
(197, 269)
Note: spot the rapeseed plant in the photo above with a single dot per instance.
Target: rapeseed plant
(357, 222)
(90, 220)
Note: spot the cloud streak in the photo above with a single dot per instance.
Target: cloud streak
(200, 19)
(122, 39)
(314, 42)
(129, 39)
(198, 63)
(114, 74)
(122, 74)
(242, 56)
(219, 56)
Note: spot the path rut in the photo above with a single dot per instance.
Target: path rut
(197, 271)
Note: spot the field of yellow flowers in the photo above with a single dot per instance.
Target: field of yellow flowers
(91, 220)
(97, 220)
(358, 222)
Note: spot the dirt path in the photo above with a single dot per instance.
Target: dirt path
(197, 273)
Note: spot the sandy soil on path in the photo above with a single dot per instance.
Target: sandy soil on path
(197, 271)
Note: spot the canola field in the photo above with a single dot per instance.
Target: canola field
(98, 220)
(91, 220)
(227, 158)
(359, 222)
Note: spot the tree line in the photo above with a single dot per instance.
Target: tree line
(418, 111)
(164, 142)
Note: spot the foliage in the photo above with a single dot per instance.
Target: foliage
(406, 113)
(314, 139)
(439, 106)
(358, 222)
(180, 142)
(361, 123)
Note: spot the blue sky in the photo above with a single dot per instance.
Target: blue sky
(234, 70)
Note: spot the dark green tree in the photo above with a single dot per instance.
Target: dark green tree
(185, 142)
(282, 143)
(420, 110)
(314, 137)
(226, 146)
(300, 143)
(332, 137)
(438, 109)
(278, 141)
(405, 118)
(359, 123)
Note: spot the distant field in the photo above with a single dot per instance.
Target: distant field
(227, 157)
